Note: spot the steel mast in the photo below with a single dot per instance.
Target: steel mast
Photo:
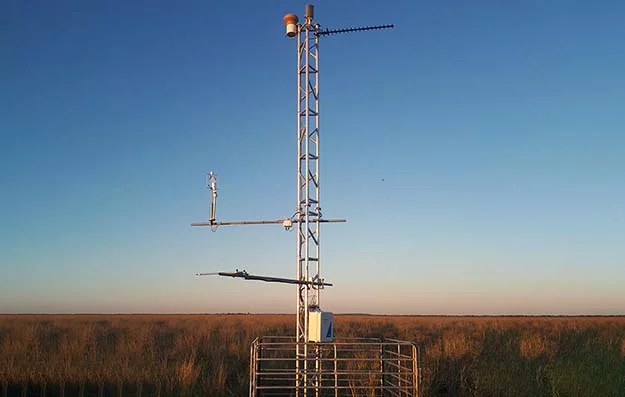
(308, 214)
(308, 190)
(308, 185)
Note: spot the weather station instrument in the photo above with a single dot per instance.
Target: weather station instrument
(315, 363)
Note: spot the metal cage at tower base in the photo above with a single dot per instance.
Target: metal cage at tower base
(344, 367)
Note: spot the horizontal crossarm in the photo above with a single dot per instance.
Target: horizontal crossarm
(273, 222)
(269, 279)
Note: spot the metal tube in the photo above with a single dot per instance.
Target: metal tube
(253, 369)
(306, 172)
(273, 222)
(399, 372)
(416, 370)
(310, 11)
(336, 375)
(317, 152)
(381, 369)
(299, 325)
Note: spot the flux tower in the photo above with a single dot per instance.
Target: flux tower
(312, 325)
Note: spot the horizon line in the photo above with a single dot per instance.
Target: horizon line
(292, 314)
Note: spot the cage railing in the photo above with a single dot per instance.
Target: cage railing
(351, 367)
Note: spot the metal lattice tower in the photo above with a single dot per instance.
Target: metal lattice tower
(308, 208)
(308, 189)
(308, 215)
(308, 199)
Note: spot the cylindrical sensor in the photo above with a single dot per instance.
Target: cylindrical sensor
(290, 20)
(310, 12)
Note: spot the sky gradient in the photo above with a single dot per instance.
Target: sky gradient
(477, 151)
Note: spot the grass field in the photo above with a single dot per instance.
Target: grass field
(208, 355)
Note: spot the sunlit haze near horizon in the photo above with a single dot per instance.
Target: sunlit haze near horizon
(476, 150)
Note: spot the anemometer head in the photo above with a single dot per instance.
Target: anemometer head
(211, 181)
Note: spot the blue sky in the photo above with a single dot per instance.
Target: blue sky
(498, 129)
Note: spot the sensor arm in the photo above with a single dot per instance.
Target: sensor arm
(272, 222)
(211, 183)
(245, 275)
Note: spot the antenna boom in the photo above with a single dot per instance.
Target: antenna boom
(326, 32)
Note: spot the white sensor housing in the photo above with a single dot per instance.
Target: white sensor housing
(290, 21)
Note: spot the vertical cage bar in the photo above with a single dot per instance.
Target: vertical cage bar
(399, 371)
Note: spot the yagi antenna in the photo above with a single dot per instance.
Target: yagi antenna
(325, 32)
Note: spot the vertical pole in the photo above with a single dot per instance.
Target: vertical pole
(301, 303)
(308, 209)
(381, 367)
(314, 137)
(306, 198)
(416, 370)
(318, 370)
(399, 371)
(336, 372)
(253, 368)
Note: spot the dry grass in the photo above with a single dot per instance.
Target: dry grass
(534, 345)
(208, 355)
